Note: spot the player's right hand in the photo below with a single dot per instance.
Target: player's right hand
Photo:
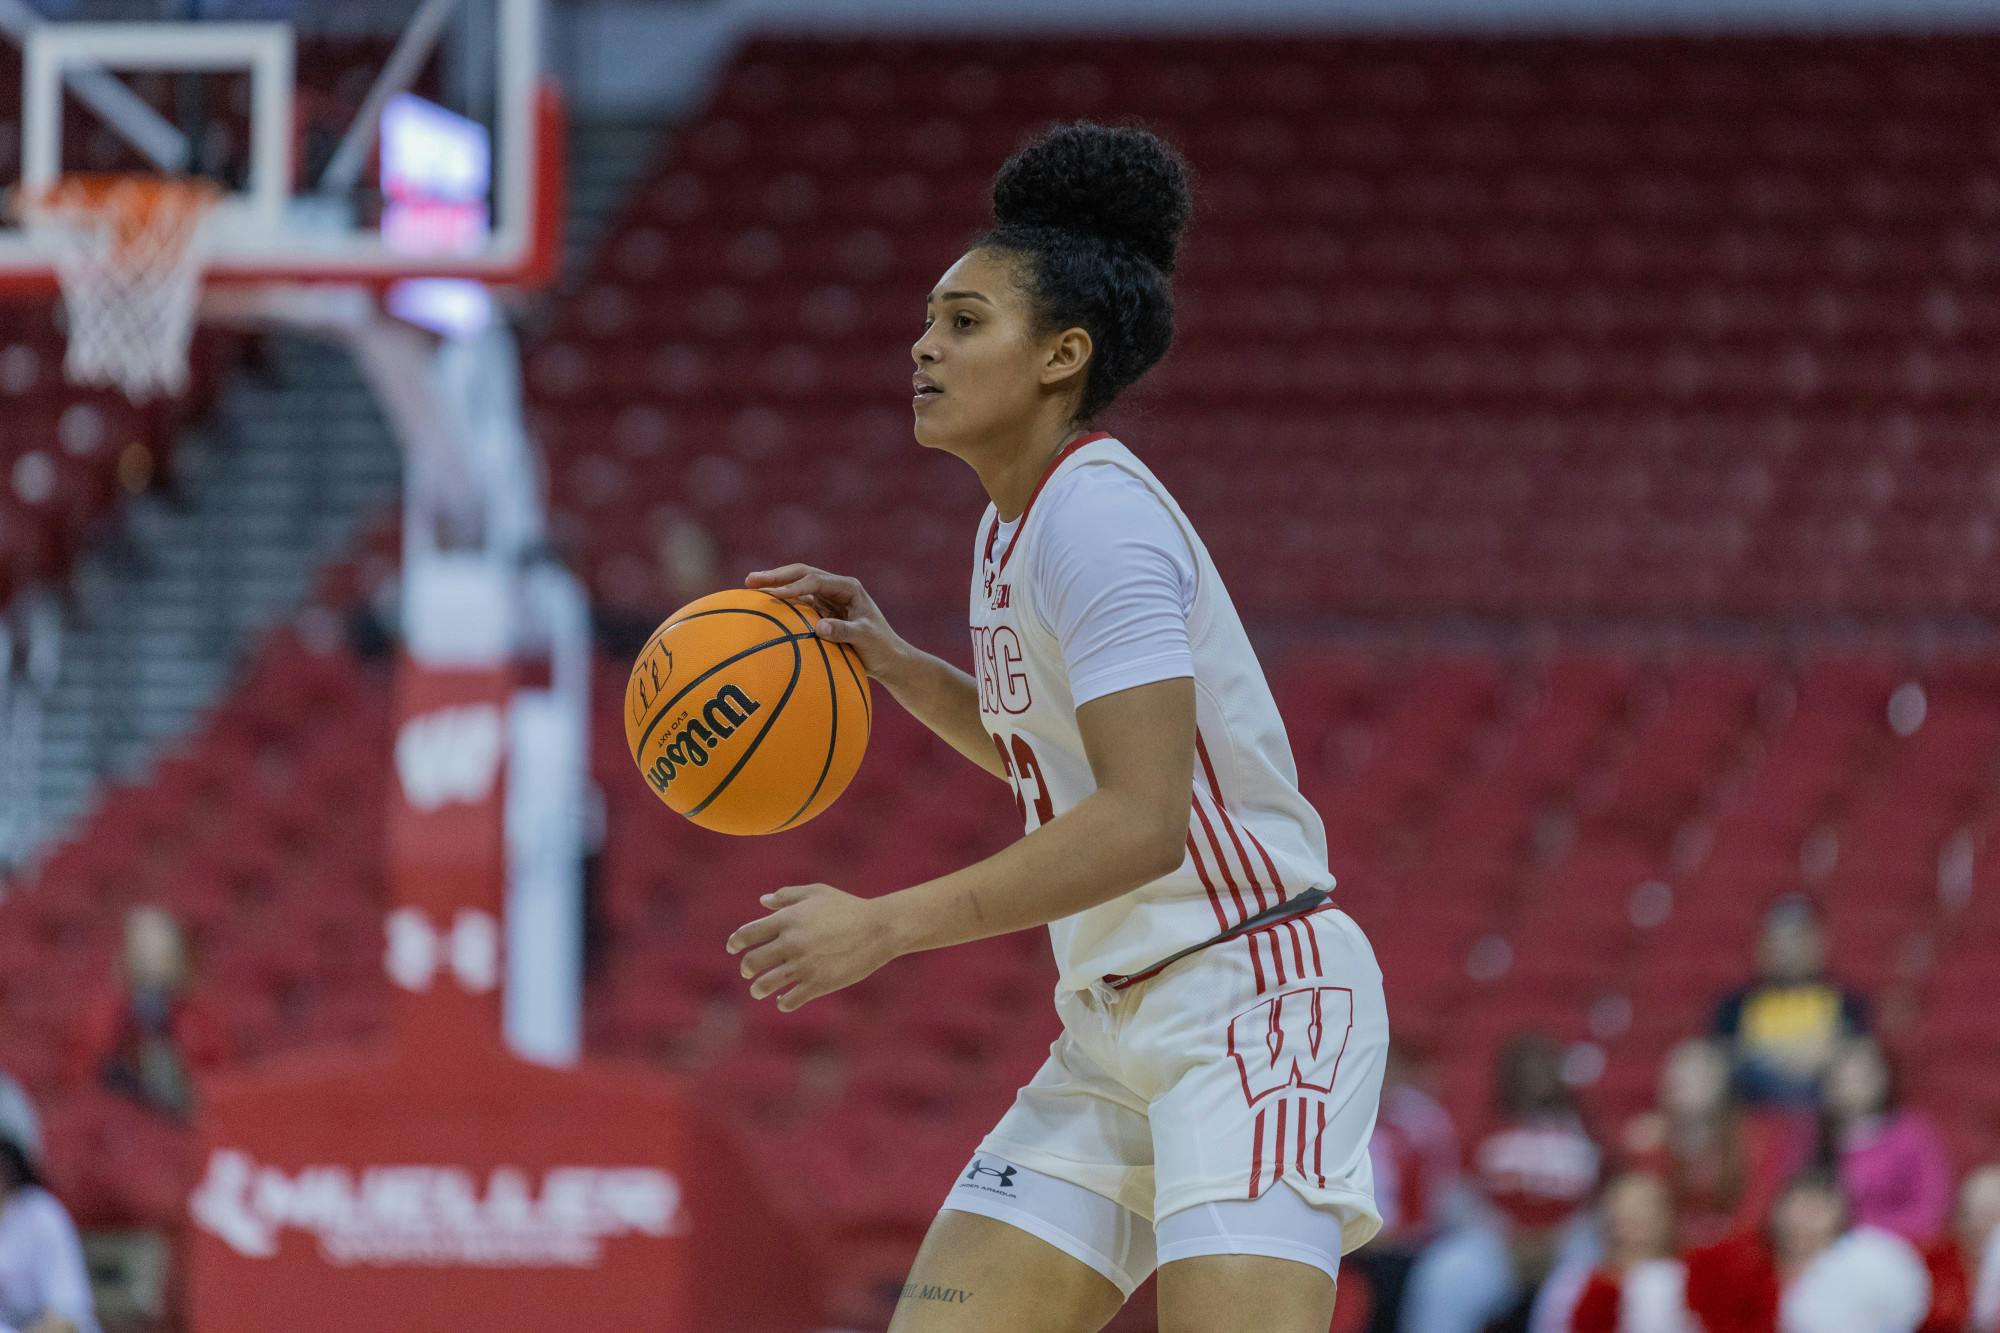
(847, 614)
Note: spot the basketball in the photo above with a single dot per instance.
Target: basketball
(743, 719)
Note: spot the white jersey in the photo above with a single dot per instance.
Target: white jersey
(1252, 842)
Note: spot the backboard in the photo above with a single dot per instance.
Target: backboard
(283, 103)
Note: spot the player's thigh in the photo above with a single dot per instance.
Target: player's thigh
(1267, 1263)
(977, 1274)
(1222, 1293)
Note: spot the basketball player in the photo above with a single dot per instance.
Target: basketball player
(1208, 1106)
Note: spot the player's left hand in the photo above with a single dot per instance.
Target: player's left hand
(816, 940)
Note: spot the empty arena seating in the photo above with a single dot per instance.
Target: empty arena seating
(68, 455)
(1627, 327)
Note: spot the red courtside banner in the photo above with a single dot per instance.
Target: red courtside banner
(441, 1184)
(482, 1193)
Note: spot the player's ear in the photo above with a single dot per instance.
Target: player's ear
(1065, 356)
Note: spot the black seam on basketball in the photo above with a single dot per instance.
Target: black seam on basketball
(867, 704)
(785, 637)
(833, 727)
(798, 659)
(661, 632)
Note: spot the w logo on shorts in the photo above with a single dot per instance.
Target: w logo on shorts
(1292, 1040)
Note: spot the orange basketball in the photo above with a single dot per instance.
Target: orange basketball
(743, 719)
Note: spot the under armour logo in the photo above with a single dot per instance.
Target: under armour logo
(1005, 1173)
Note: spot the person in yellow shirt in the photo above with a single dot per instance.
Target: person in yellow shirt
(1784, 1028)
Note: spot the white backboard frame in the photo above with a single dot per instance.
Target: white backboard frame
(276, 231)
(266, 50)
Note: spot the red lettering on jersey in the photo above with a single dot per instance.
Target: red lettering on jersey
(1021, 765)
(998, 666)
(982, 669)
(1293, 1040)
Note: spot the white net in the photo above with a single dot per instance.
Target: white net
(128, 254)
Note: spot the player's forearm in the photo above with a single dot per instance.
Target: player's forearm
(1104, 847)
(946, 700)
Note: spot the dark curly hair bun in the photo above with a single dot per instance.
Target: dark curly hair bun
(1096, 214)
(1126, 186)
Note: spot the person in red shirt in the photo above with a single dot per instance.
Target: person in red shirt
(1724, 1162)
(1968, 1259)
(1812, 1272)
(1535, 1174)
(1415, 1156)
(149, 1034)
(1640, 1287)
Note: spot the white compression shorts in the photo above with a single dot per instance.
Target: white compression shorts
(1126, 1247)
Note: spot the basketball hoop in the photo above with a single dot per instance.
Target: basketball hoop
(128, 252)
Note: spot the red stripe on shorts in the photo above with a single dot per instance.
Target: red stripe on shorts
(1302, 1139)
(1298, 950)
(1278, 1153)
(1257, 1158)
(1319, 1143)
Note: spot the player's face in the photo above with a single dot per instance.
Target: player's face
(979, 358)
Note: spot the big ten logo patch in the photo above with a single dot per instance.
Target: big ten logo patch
(1001, 669)
(1292, 1040)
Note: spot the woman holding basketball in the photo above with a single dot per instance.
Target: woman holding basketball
(1208, 1106)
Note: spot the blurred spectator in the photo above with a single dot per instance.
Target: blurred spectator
(1889, 1160)
(1835, 1275)
(1535, 1174)
(18, 1121)
(1414, 1153)
(1986, 1284)
(690, 565)
(149, 1034)
(686, 565)
(1812, 1273)
(1966, 1264)
(44, 1285)
(1723, 1162)
(1784, 1027)
(1732, 1285)
(1641, 1285)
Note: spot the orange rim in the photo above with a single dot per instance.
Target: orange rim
(140, 206)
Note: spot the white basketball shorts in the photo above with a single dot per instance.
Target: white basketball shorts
(1250, 1067)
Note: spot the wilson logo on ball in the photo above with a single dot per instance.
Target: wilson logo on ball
(796, 706)
(698, 736)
